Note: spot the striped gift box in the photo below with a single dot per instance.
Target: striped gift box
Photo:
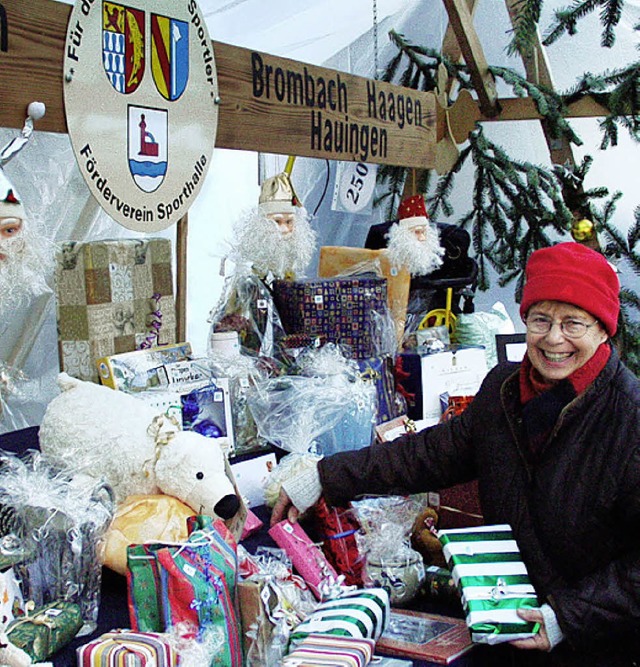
(330, 651)
(362, 614)
(493, 581)
(123, 647)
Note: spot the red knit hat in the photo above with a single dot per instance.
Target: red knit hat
(572, 273)
(413, 212)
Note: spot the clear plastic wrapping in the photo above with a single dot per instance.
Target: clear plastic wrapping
(60, 522)
(246, 306)
(384, 540)
(327, 408)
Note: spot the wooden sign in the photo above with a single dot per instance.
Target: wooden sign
(267, 103)
(278, 105)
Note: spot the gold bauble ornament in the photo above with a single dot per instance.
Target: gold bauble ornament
(582, 230)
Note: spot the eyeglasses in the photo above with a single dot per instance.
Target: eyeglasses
(539, 324)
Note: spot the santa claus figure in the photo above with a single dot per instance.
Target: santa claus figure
(414, 243)
(271, 241)
(275, 238)
(25, 256)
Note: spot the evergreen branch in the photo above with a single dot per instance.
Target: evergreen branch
(566, 20)
(525, 27)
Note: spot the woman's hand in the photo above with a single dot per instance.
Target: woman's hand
(539, 641)
(284, 509)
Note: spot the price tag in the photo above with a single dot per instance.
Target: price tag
(355, 184)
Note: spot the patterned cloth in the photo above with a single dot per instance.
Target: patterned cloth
(342, 309)
(105, 300)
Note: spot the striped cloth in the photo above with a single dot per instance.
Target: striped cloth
(330, 651)
(362, 614)
(133, 649)
(493, 582)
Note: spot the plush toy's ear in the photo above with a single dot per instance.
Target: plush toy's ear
(66, 382)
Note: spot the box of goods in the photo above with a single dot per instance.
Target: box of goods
(345, 310)
(141, 370)
(46, 630)
(424, 378)
(207, 410)
(492, 580)
(112, 296)
(430, 637)
(341, 260)
(124, 647)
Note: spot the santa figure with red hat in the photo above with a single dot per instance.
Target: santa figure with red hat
(414, 243)
(25, 255)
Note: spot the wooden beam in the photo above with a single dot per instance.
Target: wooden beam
(262, 107)
(483, 81)
(538, 71)
(450, 47)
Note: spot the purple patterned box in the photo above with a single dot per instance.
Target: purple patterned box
(342, 309)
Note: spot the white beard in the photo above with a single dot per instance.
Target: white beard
(29, 258)
(418, 257)
(259, 243)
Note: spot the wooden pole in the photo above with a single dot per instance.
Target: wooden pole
(182, 230)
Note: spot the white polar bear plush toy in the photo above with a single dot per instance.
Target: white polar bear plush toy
(110, 435)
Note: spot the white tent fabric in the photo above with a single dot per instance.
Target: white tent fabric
(334, 33)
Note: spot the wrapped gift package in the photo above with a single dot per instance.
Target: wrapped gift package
(133, 649)
(331, 650)
(425, 377)
(306, 557)
(341, 260)
(112, 296)
(492, 580)
(46, 630)
(362, 613)
(379, 370)
(342, 309)
(337, 528)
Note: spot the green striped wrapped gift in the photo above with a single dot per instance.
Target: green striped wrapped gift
(493, 582)
(361, 613)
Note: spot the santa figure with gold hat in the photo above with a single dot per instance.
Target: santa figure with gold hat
(273, 240)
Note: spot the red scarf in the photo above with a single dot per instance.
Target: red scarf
(532, 384)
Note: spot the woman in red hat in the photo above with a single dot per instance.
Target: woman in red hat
(555, 445)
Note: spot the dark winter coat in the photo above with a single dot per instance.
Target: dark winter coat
(574, 508)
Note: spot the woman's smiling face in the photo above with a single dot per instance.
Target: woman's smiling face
(554, 354)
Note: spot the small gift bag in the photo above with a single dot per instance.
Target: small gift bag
(143, 588)
(193, 583)
(493, 581)
(198, 587)
(337, 527)
(46, 630)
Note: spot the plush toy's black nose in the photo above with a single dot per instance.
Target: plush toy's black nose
(226, 507)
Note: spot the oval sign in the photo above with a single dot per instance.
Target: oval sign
(140, 92)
